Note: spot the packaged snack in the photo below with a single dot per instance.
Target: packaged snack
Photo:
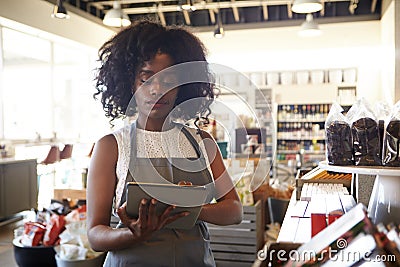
(72, 252)
(338, 137)
(33, 234)
(78, 214)
(366, 136)
(53, 229)
(382, 112)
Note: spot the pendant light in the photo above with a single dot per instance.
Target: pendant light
(306, 6)
(309, 27)
(186, 5)
(59, 11)
(116, 17)
(219, 30)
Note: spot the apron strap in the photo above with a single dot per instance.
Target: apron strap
(133, 152)
(192, 141)
(199, 153)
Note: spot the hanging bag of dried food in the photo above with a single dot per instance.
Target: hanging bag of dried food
(338, 137)
(391, 142)
(366, 137)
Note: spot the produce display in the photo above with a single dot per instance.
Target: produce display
(60, 227)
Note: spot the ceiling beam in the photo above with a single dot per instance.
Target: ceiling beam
(211, 12)
(289, 23)
(212, 15)
(265, 10)
(322, 11)
(235, 12)
(373, 5)
(102, 4)
(161, 15)
(186, 16)
(214, 5)
(289, 10)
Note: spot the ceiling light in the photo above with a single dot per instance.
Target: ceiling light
(306, 6)
(219, 30)
(186, 5)
(59, 11)
(309, 27)
(116, 17)
(352, 7)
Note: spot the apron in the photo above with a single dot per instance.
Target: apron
(168, 247)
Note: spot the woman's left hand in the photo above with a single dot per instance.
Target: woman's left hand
(148, 221)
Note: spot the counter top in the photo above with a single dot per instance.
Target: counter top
(14, 160)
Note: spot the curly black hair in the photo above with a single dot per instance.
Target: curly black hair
(124, 54)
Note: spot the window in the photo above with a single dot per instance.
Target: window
(26, 85)
(47, 88)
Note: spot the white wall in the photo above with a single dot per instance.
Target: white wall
(342, 45)
(36, 13)
(388, 54)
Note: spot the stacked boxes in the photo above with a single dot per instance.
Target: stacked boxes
(323, 196)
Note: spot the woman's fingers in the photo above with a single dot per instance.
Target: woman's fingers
(174, 217)
(148, 220)
(121, 211)
(152, 219)
(183, 183)
(143, 212)
(167, 218)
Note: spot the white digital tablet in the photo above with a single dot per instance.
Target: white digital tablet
(185, 198)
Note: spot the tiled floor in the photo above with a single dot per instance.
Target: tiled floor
(6, 247)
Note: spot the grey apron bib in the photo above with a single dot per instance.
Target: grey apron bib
(168, 247)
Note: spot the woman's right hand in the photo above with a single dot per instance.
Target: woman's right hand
(148, 221)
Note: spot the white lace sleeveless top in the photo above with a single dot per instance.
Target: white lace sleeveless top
(171, 143)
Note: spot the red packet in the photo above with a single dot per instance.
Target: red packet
(78, 214)
(33, 234)
(53, 229)
(317, 207)
(82, 212)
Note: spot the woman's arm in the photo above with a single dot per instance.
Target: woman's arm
(228, 209)
(100, 191)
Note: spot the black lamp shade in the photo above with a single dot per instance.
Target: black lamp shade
(59, 11)
(219, 30)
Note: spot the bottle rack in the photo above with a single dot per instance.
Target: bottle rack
(301, 127)
(263, 108)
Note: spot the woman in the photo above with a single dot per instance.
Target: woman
(130, 64)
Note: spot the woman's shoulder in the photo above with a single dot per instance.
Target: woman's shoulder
(122, 137)
(122, 130)
(107, 140)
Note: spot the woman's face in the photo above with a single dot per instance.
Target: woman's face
(155, 98)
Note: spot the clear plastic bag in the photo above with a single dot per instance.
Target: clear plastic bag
(366, 136)
(391, 142)
(382, 111)
(338, 137)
